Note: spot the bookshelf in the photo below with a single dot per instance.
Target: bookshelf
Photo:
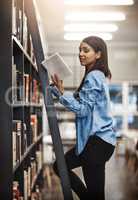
(66, 121)
(63, 114)
(21, 135)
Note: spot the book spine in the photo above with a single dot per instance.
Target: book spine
(20, 26)
(34, 126)
(16, 191)
(20, 92)
(14, 22)
(25, 185)
(26, 88)
(14, 148)
(25, 32)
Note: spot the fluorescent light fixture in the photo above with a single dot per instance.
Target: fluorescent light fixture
(90, 27)
(80, 36)
(99, 2)
(95, 16)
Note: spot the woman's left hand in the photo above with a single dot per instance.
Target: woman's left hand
(58, 83)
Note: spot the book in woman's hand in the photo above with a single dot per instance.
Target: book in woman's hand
(56, 65)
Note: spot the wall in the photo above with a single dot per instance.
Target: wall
(123, 60)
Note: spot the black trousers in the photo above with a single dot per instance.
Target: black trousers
(92, 160)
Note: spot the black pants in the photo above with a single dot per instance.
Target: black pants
(92, 160)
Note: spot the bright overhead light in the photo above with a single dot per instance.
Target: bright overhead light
(80, 36)
(95, 16)
(99, 2)
(90, 27)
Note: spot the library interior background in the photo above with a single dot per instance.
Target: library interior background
(33, 30)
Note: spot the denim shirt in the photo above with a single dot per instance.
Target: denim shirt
(92, 109)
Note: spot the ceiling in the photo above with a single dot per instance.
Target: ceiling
(52, 14)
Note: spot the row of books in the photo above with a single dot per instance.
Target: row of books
(31, 90)
(18, 142)
(24, 87)
(23, 138)
(31, 173)
(16, 191)
(35, 195)
(20, 29)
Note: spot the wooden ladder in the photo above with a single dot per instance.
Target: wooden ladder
(48, 100)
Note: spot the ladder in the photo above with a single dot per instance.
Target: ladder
(48, 100)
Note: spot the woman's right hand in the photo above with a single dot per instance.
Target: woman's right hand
(58, 83)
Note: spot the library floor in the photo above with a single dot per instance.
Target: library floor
(120, 183)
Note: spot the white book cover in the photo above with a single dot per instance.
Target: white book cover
(55, 64)
(25, 185)
(14, 147)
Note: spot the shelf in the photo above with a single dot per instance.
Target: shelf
(20, 104)
(66, 142)
(17, 42)
(70, 89)
(66, 120)
(26, 153)
(64, 109)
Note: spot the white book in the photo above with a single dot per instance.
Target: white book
(25, 185)
(56, 65)
(14, 12)
(14, 84)
(14, 147)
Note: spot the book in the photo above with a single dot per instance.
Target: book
(19, 83)
(56, 65)
(16, 191)
(25, 32)
(25, 184)
(34, 127)
(16, 141)
(14, 16)
(26, 88)
(14, 83)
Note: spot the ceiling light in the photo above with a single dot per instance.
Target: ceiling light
(95, 16)
(80, 36)
(91, 27)
(99, 2)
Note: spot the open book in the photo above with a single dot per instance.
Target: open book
(56, 65)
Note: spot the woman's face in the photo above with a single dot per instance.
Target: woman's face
(87, 55)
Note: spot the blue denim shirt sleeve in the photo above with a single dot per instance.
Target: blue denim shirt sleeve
(68, 100)
(88, 96)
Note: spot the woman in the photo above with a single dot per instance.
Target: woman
(95, 137)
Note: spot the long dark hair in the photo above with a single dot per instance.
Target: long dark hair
(101, 64)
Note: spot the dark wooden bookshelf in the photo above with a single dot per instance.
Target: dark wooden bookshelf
(21, 104)
(16, 113)
(20, 47)
(27, 153)
(16, 105)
